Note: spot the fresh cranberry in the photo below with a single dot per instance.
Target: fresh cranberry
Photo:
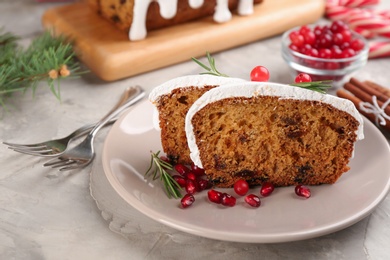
(325, 53)
(293, 47)
(325, 40)
(310, 37)
(338, 26)
(180, 180)
(296, 38)
(214, 196)
(191, 186)
(302, 191)
(347, 35)
(187, 200)
(253, 200)
(182, 169)
(357, 44)
(302, 77)
(241, 187)
(197, 170)
(266, 189)
(259, 73)
(347, 53)
(228, 200)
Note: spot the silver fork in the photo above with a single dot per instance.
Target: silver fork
(83, 154)
(56, 147)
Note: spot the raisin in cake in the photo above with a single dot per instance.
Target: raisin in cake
(172, 101)
(272, 132)
(139, 16)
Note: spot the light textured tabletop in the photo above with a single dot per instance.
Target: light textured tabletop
(45, 214)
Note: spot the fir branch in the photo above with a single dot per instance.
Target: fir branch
(158, 169)
(212, 70)
(48, 58)
(319, 86)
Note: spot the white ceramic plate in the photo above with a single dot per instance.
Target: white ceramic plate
(282, 217)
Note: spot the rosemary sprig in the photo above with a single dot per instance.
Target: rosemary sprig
(319, 86)
(212, 70)
(158, 169)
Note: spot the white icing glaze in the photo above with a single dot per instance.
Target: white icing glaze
(183, 82)
(250, 89)
(168, 9)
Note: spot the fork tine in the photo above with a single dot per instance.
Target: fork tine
(23, 145)
(64, 163)
(55, 161)
(67, 168)
(34, 152)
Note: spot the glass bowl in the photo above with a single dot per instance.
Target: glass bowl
(338, 70)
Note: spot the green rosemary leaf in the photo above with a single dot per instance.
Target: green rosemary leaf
(159, 169)
(212, 70)
(319, 86)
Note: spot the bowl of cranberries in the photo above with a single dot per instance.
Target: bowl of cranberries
(325, 52)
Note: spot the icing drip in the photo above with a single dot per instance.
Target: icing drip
(245, 7)
(222, 13)
(168, 9)
(196, 3)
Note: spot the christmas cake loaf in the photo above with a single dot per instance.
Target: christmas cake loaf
(172, 101)
(271, 132)
(139, 16)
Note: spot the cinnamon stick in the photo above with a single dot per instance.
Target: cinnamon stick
(364, 96)
(381, 89)
(372, 91)
(356, 101)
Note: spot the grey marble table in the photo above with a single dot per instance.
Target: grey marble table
(45, 214)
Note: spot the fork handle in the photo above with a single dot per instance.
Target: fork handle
(127, 94)
(138, 95)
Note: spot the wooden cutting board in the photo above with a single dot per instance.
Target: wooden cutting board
(109, 54)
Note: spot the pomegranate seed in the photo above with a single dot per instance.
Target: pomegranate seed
(304, 29)
(253, 200)
(187, 200)
(165, 159)
(302, 191)
(347, 35)
(180, 180)
(266, 189)
(214, 196)
(197, 170)
(191, 186)
(228, 200)
(241, 187)
(182, 169)
(203, 184)
(191, 176)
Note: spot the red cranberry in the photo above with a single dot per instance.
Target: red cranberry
(187, 200)
(241, 187)
(325, 53)
(302, 77)
(180, 180)
(182, 169)
(296, 38)
(310, 37)
(338, 26)
(266, 189)
(357, 44)
(214, 196)
(228, 200)
(302, 191)
(253, 200)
